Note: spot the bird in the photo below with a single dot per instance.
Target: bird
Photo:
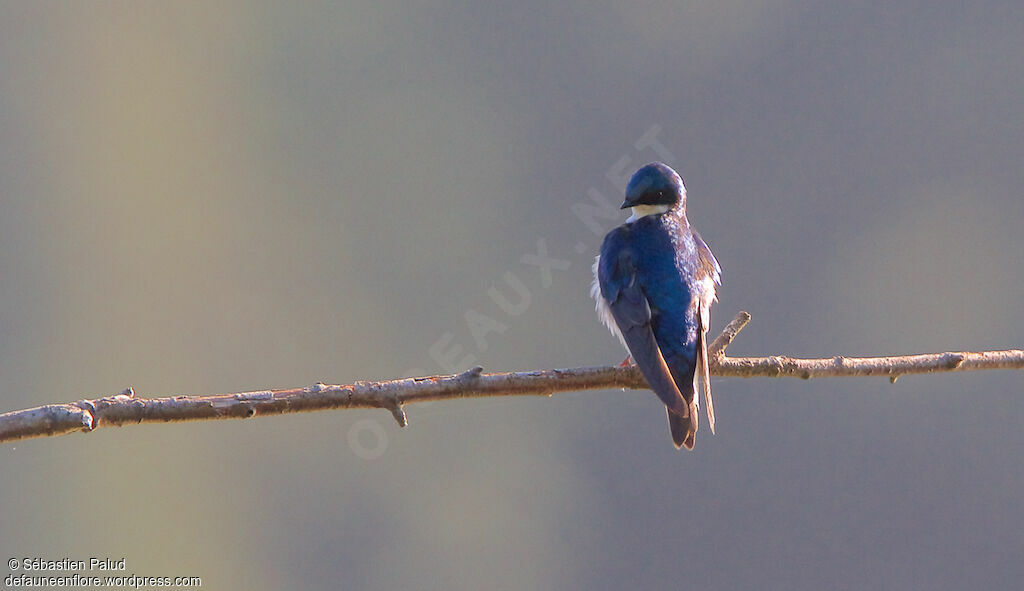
(654, 282)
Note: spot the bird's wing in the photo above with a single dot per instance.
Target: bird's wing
(707, 261)
(707, 269)
(622, 290)
(703, 317)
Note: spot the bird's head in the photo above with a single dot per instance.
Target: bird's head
(655, 188)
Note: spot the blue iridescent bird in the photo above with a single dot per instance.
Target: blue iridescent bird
(654, 283)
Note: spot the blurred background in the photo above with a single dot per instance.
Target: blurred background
(204, 198)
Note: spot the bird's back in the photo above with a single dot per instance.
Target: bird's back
(664, 255)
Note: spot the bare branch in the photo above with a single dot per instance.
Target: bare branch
(127, 409)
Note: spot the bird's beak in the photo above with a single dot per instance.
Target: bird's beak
(626, 204)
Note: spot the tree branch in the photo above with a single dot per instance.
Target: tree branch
(127, 409)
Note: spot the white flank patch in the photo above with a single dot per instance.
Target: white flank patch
(603, 312)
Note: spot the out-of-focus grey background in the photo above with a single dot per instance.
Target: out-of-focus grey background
(201, 198)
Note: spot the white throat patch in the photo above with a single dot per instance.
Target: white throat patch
(640, 211)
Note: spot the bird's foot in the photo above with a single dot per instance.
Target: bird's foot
(627, 362)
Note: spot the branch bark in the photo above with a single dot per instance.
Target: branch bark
(127, 409)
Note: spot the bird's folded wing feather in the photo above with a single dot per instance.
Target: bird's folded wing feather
(707, 268)
(632, 313)
(708, 263)
(702, 361)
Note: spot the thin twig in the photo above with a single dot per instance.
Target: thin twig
(717, 347)
(127, 409)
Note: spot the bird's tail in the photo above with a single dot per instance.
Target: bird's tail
(684, 429)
